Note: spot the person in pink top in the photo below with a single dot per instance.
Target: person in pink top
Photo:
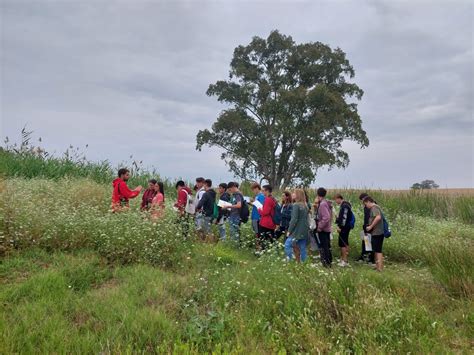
(158, 202)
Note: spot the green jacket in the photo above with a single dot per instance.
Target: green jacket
(299, 227)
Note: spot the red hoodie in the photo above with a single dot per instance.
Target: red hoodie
(182, 198)
(267, 213)
(121, 194)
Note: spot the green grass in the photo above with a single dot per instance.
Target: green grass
(75, 278)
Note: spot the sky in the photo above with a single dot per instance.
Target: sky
(128, 78)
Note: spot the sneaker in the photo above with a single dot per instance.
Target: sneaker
(360, 259)
(342, 263)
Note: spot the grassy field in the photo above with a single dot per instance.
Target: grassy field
(75, 278)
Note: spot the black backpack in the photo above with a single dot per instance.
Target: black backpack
(244, 210)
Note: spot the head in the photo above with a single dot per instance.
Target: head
(151, 183)
(286, 198)
(208, 184)
(321, 193)
(368, 202)
(256, 188)
(180, 185)
(200, 182)
(233, 187)
(159, 187)
(338, 198)
(267, 190)
(299, 196)
(222, 187)
(124, 174)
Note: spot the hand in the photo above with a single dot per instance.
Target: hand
(139, 188)
(368, 228)
(339, 230)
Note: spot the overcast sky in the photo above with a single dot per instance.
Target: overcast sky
(129, 78)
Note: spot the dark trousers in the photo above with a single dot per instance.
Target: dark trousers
(280, 232)
(325, 248)
(183, 222)
(266, 236)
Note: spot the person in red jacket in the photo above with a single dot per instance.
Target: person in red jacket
(180, 206)
(122, 193)
(267, 225)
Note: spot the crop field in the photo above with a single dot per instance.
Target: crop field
(75, 278)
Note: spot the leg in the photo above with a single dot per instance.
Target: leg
(222, 231)
(325, 251)
(234, 224)
(302, 248)
(379, 261)
(289, 248)
(297, 252)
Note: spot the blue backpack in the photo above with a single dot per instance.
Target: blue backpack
(352, 221)
(387, 233)
(277, 214)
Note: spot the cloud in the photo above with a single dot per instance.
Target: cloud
(129, 78)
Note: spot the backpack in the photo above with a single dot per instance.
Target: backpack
(215, 212)
(190, 203)
(352, 221)
(387, 232)
(277, 213)
(244, 210)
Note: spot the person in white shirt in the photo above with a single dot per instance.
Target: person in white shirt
(200, 192)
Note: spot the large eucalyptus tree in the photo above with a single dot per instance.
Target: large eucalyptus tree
(290, 107)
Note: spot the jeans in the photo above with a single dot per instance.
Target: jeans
(234, 228)
(301, 243)
(255, 226)
(206, 224)
(325, 248)
(198, 220)
(221, 227)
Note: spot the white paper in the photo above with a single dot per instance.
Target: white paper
(224, 204)
(247, 199)
(257, 204)
(368, 242)
(362, 235)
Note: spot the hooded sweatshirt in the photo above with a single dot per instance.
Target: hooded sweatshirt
(121, 194)
(183, 198)
(207, 202)
(345, 211)
(147, 198)
(325, 216)
(267, 213)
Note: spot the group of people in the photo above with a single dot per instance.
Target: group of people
(301, 224)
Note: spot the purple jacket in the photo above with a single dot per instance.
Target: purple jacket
(325, 216)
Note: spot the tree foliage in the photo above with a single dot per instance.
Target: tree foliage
(291, 106)
(425, 185)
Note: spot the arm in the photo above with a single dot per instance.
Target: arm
(239, 202)
(202, 201)
(294, 219)
(126, 192)
(376, 220)
(342, 219)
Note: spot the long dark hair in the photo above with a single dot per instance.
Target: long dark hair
(162, 188)
(287, 198)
